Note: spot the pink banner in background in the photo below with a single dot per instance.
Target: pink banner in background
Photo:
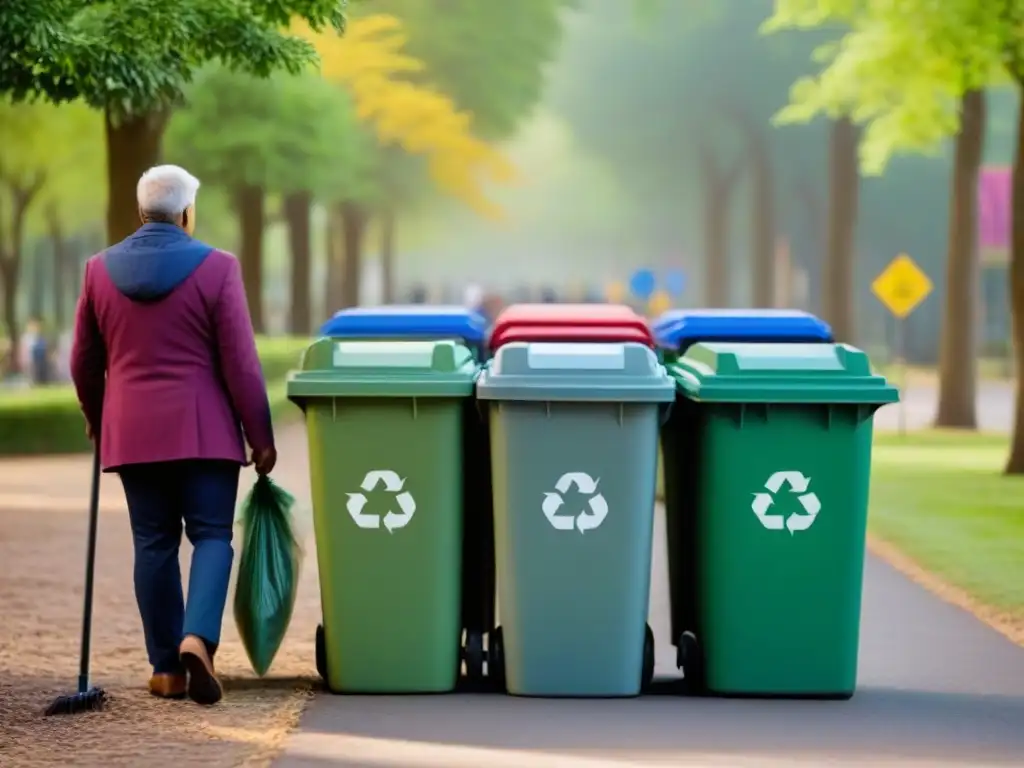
(995, 200)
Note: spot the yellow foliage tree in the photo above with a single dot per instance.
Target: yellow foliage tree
(369, 61)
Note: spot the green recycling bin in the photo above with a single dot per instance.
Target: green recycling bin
(770, 472)
(574, 430)
(384, 422)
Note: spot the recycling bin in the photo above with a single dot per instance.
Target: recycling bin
(597, 334)
(677, 329)
(384, 424)
(410, 321)
(774, 486)
(426, 322)
(569, 316)
(674, 332)
(574, 431)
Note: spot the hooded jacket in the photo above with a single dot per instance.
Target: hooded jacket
(164, 357)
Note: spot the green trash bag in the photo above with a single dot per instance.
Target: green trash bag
(268, 572)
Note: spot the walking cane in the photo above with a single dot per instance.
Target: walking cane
(87, 698)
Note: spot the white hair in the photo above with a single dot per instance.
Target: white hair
(166, 190)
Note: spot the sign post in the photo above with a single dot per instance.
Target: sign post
(901, 287)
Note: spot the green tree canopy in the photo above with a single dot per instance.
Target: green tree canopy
(132, 56)
(47, 157)
(489, 57)
(282, 134)
(643, 96)
(132, 59)
(293, 136)
(900, 69)
(678, 104)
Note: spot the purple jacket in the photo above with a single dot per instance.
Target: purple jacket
(164, 358)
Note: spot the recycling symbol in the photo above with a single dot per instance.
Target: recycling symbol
(394, 485)
(798, 485)
(586, 520)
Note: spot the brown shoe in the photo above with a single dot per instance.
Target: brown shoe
(203, 685)
(167, 686)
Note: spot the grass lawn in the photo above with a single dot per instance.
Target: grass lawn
(941, 499)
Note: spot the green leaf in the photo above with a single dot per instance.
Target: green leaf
(286, 133)
(900, 69)
(133, 56)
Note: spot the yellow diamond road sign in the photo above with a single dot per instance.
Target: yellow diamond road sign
(902, 286)
(614, 292)
(659, 302)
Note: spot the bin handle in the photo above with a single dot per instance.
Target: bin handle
(665, 412)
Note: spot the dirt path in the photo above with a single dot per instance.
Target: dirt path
(42, 536)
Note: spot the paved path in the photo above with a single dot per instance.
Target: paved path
(995, 407)
(936, 688)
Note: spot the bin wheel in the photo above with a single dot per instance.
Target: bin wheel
(473, 655)
(321, 658)
(496, 660)
(690, 660)
(647, 672)
(321, 653)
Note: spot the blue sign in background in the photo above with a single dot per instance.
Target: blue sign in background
(675, 282)
(643, 283)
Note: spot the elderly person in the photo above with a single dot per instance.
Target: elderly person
(165, 366)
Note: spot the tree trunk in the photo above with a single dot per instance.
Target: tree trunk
(1015, 463)
(958, 346)
(133, 147)
(716, 252)
(249, 205)
(21, 198)
(762, 208)
(9, 269)
(37, 290)
(809, 200)
(838, 271)
(718, 188)
(297, 212)
(387, 253)
(60, 249)
(353, 228)
(333, 288)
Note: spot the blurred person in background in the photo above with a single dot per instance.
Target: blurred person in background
(491, 307)
(418, 295)
(165, 366)
(548, 295)
(35, 352)
(473, 297)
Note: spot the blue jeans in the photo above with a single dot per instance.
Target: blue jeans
(160, 497)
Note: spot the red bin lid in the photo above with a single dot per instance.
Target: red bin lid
(571, 333)
(569, 314)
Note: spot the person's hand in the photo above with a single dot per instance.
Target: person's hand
(88, 432)
(264, 460)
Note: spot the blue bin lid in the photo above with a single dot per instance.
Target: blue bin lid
(679, 328)
(604, 372)
(407, 320)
